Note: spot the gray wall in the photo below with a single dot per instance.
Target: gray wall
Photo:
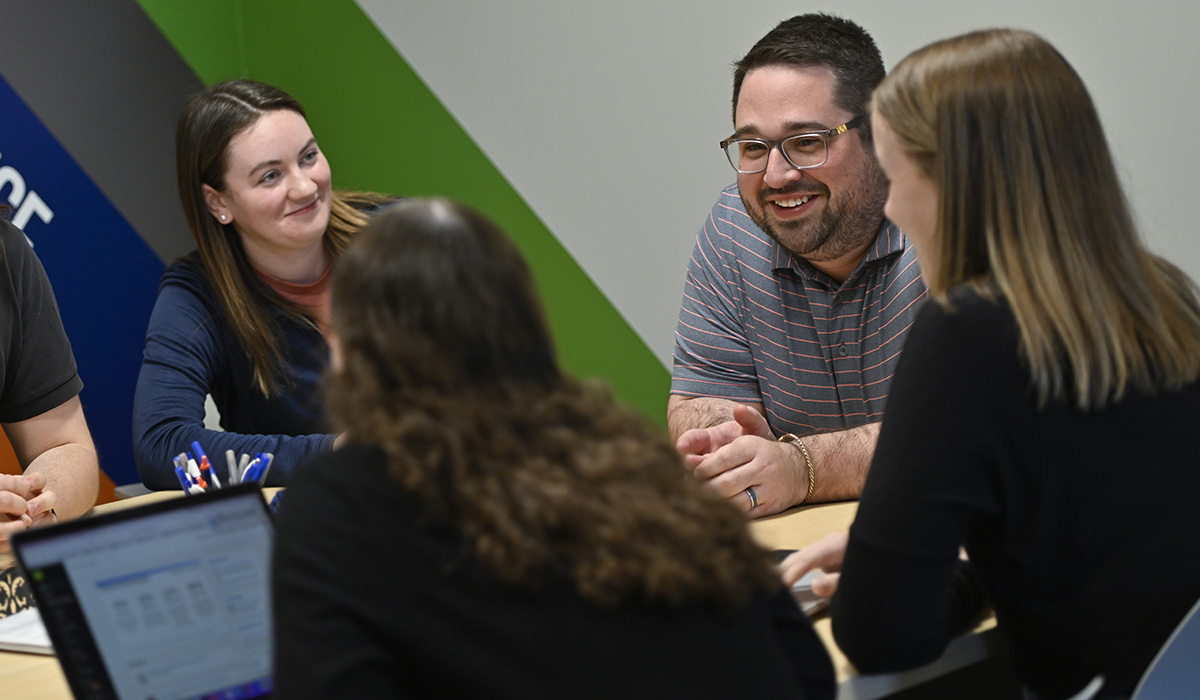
(605, 116)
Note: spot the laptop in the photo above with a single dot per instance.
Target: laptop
(167, 601)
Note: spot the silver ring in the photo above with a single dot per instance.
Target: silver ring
(753, 497)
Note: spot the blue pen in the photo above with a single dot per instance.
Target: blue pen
(250, 473)
(261, 458)
(258, 467)
(266, 466)
(209, 471)
(183, 477)
(201, 459)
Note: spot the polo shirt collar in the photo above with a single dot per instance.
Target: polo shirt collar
(888, 242)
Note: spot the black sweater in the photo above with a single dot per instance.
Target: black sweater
(1081, 525)
(372, 603)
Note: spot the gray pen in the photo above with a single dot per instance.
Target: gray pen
(231, 463)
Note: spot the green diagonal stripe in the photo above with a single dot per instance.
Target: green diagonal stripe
(384, 130)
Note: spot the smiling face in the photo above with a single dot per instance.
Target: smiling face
(276, 191)
(912, 200)
(830, 213)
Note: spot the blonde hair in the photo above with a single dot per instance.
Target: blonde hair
(1031, 207)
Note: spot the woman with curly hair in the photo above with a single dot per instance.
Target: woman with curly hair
(494, 528)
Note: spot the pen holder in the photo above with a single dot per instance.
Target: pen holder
(197, 475)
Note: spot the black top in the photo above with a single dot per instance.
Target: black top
(38, 367)
(371, 603)
(1081, 525)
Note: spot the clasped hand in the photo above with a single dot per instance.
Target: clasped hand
(740, 454)
(24, 502)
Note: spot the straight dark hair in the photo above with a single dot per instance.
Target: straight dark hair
(820, 40)
(206, 126)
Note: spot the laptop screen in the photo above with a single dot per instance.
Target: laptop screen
(164, 602)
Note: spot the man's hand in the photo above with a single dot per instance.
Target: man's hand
(696, 444)
(41, 501)
(57, 447)
(738, 436)
(22, 504)
(743, 454)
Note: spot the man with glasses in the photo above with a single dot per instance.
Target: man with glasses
(799, 293)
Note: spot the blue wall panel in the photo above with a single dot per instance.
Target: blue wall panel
(104, 274)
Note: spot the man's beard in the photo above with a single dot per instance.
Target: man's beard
(844, 226)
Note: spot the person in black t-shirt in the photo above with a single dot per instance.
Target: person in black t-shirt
(40, 409)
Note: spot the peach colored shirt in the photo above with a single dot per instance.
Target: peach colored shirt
(314, 298)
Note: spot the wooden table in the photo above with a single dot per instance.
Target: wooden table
(33, 677)
(799, 527)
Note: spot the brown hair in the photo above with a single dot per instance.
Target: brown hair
(208, 123)
(1031, 205)
(819, 39)
(447, 365)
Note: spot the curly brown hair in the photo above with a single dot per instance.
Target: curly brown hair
(445, 362)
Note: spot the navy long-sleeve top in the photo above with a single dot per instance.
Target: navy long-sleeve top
(191, 351)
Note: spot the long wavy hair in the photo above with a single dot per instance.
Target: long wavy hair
(1031, 207)
(207, 124)
(447, 365)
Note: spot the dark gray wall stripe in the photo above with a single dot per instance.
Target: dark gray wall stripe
(109, 86)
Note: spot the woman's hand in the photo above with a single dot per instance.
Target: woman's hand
(825, 554)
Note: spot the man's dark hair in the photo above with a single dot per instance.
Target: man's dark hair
(820, 40)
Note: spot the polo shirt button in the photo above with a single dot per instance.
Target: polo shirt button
(842, 350)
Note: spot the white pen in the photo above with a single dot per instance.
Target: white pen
(193, 469)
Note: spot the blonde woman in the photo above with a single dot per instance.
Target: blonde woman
(1045, 409)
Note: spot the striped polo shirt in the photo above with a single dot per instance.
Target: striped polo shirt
(758, 324)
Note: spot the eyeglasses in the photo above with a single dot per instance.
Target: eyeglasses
(803, 151)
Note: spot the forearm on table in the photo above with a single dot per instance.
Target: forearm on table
(840, 461)
(686, 413)
(72, 472)
(155, 454)
(58, 445)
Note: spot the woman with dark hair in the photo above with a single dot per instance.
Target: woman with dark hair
(1044, 412)
(243, 318)
(494, 528)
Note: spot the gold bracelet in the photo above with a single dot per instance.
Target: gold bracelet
(808, 463)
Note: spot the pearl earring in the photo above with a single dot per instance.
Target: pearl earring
(222, 217)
